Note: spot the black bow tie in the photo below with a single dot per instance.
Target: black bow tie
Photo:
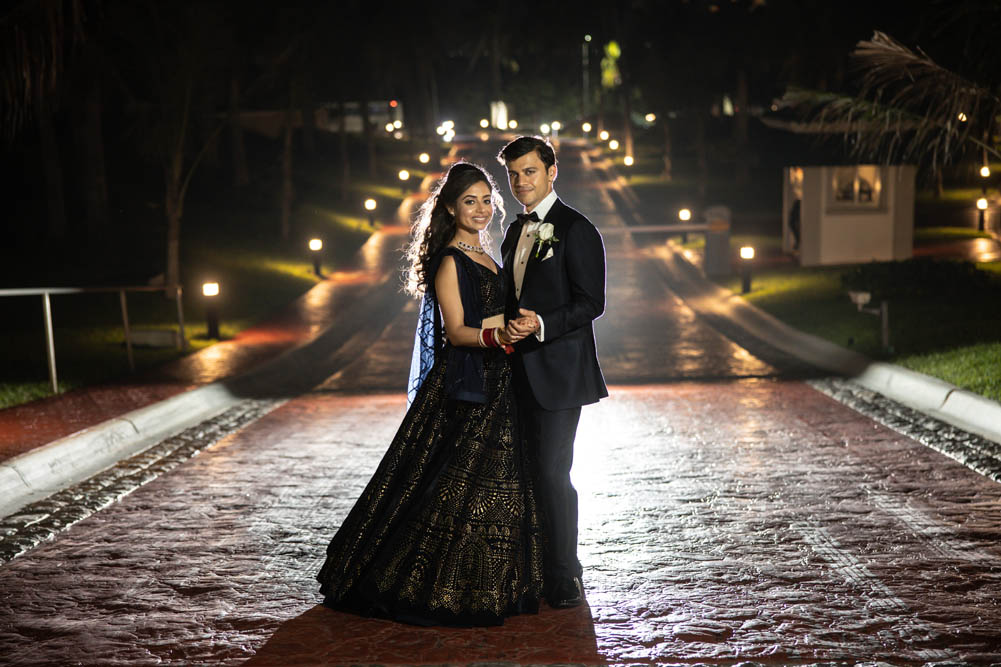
(528, 217)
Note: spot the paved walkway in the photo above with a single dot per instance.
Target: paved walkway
(729, 513)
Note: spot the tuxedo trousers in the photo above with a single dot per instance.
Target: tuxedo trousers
(550, 435)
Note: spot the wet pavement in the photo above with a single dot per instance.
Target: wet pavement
(730, 513)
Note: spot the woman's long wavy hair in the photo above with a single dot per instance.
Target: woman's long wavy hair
(434, 226)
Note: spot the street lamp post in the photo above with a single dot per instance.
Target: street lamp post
(370, 207)
(315, 246)
(585, 68)
(210, 291)
(746, 257)
(981, 210)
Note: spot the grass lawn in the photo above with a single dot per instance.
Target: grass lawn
(228, 236)
(947, 333)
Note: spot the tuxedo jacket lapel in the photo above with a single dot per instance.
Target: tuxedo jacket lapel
(552, 217)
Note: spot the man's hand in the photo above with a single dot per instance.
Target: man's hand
(531, 318)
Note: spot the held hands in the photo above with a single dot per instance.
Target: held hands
(525, 325)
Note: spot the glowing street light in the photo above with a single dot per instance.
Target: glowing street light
(544, 128)
(210, 290)
(684, 215)
(440, 129)
(484, 123)
(613, 144)
(981, 208)
(404, 175)
(397, 123)
(512, 124)
(448, 125)
(985, 171)
(557, 126)
(962, 117)
(650, 117)
(423, 158)
(586, 127)
(316, 245)
(370, 207)
(603, 135)
(389, 127)
(746, 256)
(628, 160)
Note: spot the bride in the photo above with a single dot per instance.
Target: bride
(447, 530)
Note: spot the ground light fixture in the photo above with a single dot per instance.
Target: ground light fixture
(315, 246)
(210, 290)
(603, 135)
(484, 123)
(613, 144)
(423, 158)
(746, 258)
(370, 207)
(628, 160)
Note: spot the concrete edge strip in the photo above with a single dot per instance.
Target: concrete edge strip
(49, 468)
(938, 398)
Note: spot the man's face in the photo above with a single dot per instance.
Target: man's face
(530, 180)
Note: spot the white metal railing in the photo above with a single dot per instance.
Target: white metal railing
(50, 346)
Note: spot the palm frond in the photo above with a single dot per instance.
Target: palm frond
(908, 107)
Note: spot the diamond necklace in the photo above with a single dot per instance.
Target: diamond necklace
(469, 248)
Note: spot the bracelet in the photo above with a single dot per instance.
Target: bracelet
(497, 336)
(479, 338)
(488, 338)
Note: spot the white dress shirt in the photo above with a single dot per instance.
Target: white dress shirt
(526, 243)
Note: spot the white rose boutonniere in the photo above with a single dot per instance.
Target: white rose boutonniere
(544, 236)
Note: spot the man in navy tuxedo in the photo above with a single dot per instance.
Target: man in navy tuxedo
(555, 262)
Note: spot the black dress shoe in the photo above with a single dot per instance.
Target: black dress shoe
(566, 593)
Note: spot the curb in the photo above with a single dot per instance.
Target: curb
(932, 396)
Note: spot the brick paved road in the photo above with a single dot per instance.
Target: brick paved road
(728, 514)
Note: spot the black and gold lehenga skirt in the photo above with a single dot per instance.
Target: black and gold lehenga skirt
(447, 532)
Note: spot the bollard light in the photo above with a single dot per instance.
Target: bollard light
(370, 207)
(423, 158)
(316, 245)
(484, 123)
(404, 175)
(982, 203)
(985, 172)
(613, 144)
(981, 208)
(746, 256)
(586, 127)
(628, 160)
(210, 290)
(684, 215)
(603, 135)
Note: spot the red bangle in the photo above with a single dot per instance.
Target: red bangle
(488, 338)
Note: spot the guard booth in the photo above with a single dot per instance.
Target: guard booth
(848, 214)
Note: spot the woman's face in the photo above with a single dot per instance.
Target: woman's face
(474, 208)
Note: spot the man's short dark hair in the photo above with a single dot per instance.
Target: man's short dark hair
(525, 145)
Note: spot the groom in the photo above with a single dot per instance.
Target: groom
(555, 262)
